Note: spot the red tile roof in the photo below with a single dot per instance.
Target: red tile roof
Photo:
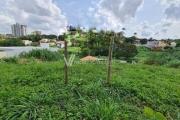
(89, 58)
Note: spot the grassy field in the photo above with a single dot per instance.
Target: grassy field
(37, 91)
(72, 49)
(143, 53)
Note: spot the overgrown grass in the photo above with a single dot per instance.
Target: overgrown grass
(169, 58)
(143, 53)
(43, 54)
(72, 49)
(37, 91)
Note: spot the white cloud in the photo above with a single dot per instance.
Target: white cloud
(172, 11)
(143, 25)
(146, 33)
(164, 30)
(36, 14)
(165, 2)
(118, 12)
(156, 33)
(5, 24)
(91, 9)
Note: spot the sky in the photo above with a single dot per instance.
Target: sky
(159, 19)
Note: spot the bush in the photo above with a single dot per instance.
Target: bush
(34, 44)
(169, 58)
(174, 64)
(168, 47)
(85, 51)
(125, 50)
(10, 60)
(44, 55)
(12, 42)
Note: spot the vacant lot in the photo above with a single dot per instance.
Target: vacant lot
(37, 90)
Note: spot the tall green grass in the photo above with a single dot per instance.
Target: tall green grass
(170, 58)
(44, 55)
(37, 91)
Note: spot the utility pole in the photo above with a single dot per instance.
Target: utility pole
(110, 59)
(66, 66)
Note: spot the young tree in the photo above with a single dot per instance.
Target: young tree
(1, 37)
(125, 50)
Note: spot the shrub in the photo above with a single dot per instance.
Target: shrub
(44, 55)
(169, 58)
(10, 60)
(12, 42)
(85, 51)
(125, 50)
(168, 47)
(34, 44)
(174, 64)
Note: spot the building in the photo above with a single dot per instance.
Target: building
(173, 44)
(36, 32)
(27, 42)
(23, 30)
(162, 44)
(43, 41)
(152, 44)
(61, 44)
(18, 30)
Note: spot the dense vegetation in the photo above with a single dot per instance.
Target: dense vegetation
(11, 42)
(169, 58)
(44, 55)
(37, 90)
(97, 44)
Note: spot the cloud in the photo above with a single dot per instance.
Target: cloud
(5, 24)
(118, 11)
(156, 33)
(143, 25)
(166, 2)
(41, 14)
(91, 9)
(146, 33)
(164, 30)
(167, 23)
(172, 11)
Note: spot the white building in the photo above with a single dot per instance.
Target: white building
(27, 42)
(18, 30)
(173, 44)
(61, 44)
(36, 32)
(152, 44)
(23, 30)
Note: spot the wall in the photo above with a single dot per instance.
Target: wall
(44, 45)
(3, 54)
(16, 52)
(157, 48)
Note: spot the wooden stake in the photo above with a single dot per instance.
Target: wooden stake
(109, 61)
(66, 66)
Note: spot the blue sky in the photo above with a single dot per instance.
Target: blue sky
(159, 19)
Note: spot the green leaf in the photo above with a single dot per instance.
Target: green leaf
(23, 116)
(148, 111)
(160, 116)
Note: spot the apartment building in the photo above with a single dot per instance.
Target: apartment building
(36, 32)
(18, 30)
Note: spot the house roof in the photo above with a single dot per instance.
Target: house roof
(60, 42)
(42, 40)
(89, 58)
